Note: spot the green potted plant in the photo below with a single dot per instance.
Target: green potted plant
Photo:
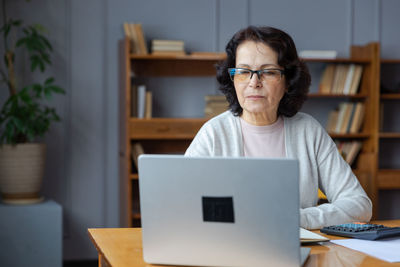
(25, 115)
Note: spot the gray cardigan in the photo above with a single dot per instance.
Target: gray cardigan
(321, 166)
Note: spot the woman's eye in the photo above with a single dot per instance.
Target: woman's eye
(270, 72)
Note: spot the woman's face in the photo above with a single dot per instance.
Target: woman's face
(258, 98)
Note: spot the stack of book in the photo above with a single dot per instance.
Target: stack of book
(141, 102)
(347, 118)
(134, 33)
(341, 79)
(167, 47)
(215, 104)
(349, 150)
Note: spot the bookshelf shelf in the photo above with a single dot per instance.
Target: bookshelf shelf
(134, 176)
(390, 61)
(389, 135)
(390, 96)
(388, 179)
(164, 128)
(349, 136)
(353, 96)
(338, 60)
(136, 216)
(188, 57)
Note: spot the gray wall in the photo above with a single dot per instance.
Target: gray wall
(82, 172)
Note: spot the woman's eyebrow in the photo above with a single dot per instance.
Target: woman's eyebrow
(261, 67)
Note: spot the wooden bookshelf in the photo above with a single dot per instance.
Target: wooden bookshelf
(366, 165)
(156, 135)
(173, 135)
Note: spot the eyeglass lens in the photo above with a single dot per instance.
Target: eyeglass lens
(245, 75)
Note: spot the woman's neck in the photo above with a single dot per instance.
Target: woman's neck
(259, 119)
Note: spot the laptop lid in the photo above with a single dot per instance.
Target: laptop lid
(218, 211)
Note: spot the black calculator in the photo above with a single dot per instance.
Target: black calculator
(365, 231)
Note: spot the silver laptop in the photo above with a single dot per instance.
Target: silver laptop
(218, 211)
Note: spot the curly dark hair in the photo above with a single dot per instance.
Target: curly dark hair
(297, 76)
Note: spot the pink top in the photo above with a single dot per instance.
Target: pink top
(264, 141)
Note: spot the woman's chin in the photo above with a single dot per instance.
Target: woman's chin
(256, 109)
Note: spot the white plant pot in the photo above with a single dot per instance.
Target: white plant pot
(21, 172)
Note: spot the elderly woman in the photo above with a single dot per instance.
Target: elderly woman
(266, 84)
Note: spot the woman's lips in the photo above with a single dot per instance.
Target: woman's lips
(255, 96)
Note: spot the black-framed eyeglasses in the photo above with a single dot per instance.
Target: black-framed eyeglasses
(242, 75)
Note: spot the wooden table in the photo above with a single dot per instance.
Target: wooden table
(120, 247)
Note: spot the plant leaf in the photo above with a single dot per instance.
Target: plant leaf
(17, 22)
(47, 93)
(34, 62)
(49, 81)
(57, 89)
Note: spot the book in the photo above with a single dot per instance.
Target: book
(325, 85)
(326, 54)
(358, 118)
(339, 79)
(349, 150)
(166, 48)
(141, 39)
(342, 78)
(131, 35)
(137, 150)
(351, 117)
(354, 149)
(148, 105)
(355, 83)
(341, 114)
(349, 79)
(346, 118)
(168, 42)
(332, 121)
(168, 53)
(141, 101)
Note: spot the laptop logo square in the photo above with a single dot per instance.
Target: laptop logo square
(218, 209)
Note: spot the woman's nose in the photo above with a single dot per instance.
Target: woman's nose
(254, 80)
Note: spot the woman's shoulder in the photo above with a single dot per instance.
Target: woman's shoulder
(302, 117)
(303, 120)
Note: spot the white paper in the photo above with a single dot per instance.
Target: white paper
(308, 236)
(386, 249)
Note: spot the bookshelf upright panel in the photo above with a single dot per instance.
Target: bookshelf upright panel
(388, 177)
